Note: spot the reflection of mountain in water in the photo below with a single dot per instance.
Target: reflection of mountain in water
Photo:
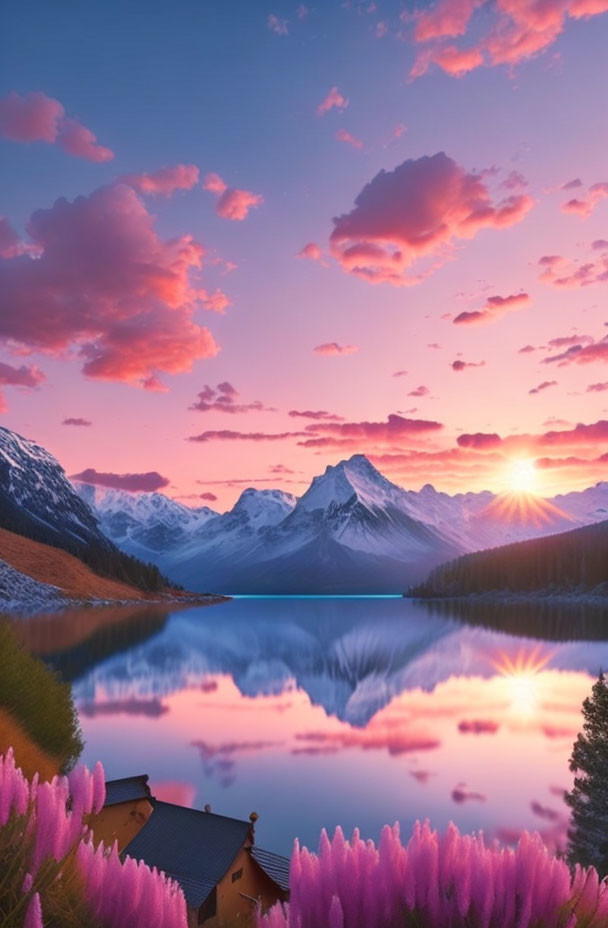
(77, 640)
(350, 656)
(541, 619)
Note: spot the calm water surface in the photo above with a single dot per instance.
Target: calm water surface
(318, 712)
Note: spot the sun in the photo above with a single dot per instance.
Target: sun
(522, 476)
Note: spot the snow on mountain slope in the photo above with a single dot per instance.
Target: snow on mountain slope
(350, 531)
(36, 498)
(353, 530)
(239, 532)
(141, 523)
(586, 506)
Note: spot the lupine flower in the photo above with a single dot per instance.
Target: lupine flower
(449, 881)
(33, 916)
(42, 827)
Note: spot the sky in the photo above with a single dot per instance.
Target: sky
(242, 241)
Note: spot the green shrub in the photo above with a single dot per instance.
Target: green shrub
(38, 700)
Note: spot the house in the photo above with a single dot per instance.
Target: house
(214, 858)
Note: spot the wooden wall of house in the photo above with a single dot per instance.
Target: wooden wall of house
(120, 822)
(234, 898)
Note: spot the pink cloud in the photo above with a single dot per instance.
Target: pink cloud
(527, 349)
(343, 136)
(277, 25)
(76, 420)
(333, 100)
(400, 374)
(478, 727)
(479, 441)
(134, 483)
(231, 435)
(209, 497)
(581, 353)
(332, 349)
(454, 61)
(106, 289)
(165, 181)
(463, 365)
(25, 376)
(413, 212)
(214, 183)
(564, 341)
(597, 387)
(80, 142)
(558, 271)
(316, 414)
(543, 386)
(223, 398)
(447, 18)
(516, 30)
(232, 203)
(395, 428)
(495, 307)
(585, 206)
(420, 391)
(38, 118)
(572, 184)
(311, 251)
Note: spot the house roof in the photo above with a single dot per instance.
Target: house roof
(273, 865)
(195, 848)
(127, 789)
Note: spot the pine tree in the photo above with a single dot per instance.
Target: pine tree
(588, 799)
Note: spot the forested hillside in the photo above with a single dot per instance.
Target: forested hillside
(575, 561)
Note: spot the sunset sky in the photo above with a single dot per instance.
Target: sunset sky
(243, 241)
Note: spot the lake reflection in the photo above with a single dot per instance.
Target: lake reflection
(318, 712)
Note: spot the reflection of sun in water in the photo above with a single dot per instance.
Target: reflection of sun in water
(521, 677)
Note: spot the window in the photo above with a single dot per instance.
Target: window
(237, 875)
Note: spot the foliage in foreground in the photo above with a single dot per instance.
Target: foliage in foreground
(52, 875)
(588, 799)
(38, 700)
(452, 881)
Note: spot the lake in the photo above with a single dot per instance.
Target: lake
(316, 712)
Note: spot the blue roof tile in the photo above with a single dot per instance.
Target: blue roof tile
(195, 848)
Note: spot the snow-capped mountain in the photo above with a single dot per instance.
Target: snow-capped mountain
(38, 500)
(144, 523)
(350, 532)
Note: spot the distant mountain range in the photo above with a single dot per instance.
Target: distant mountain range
(352, 531)
(571, 562)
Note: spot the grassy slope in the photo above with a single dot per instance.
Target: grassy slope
(29, 756)
(57, 567)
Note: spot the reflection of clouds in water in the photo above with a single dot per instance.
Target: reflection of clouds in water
(372, 739)
(461, 793)
(152, 708)
(175, 791)
(219, 760)
(293, 694)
